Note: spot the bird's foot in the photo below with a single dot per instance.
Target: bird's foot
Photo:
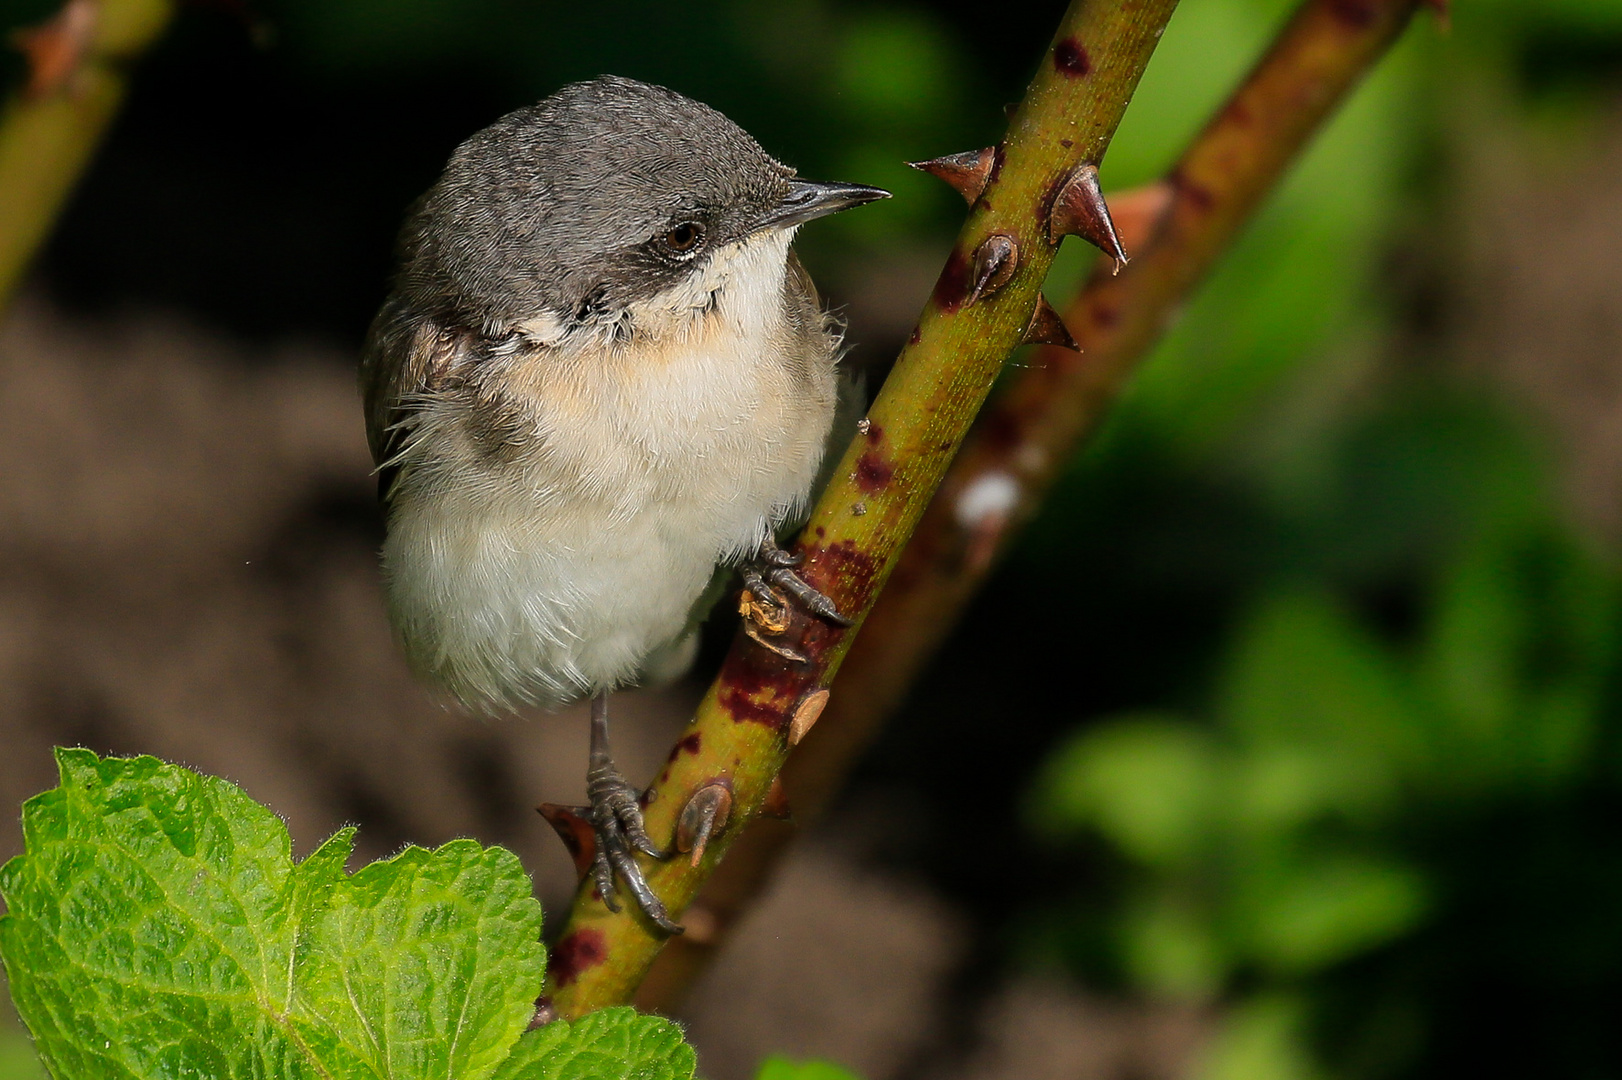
(769, 581)
(601, 838)
(616, 820)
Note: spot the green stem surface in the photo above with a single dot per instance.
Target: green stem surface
(740, 735)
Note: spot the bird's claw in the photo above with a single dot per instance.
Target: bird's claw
(616, 821)
(812, 600)
(772, 555)
(769, 581)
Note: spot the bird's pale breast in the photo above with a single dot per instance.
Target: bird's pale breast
(574, 562)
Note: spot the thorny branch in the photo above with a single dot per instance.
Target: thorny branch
(983, 305)
(1175, 230)
(50, 127)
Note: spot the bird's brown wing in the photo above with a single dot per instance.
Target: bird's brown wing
(406, 357)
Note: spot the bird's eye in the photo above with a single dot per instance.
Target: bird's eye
(685, 238)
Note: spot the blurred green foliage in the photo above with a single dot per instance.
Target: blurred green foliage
(1374, 817)
(17, 1058)
(782, 1068)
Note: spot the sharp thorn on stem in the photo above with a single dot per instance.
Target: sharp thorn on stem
(806, 713)
(968, 172)
(1080, 210)
(705, 816)
(1047, 328)
(56, 48)
(703, 925)
(1137, 213)
(995, 261)
(575, 830)
(776, 804)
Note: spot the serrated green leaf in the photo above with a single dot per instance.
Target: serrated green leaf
(158, 927)
(425, 965)
(612, 1044)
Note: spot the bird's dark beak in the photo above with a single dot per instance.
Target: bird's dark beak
(808, 199)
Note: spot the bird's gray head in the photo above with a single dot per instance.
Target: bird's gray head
(607, 193)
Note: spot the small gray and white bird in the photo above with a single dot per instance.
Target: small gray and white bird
(601, 375)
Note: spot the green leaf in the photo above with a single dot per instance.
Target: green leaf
(1169, 946)
(893, 67)
(1262, 1038)
(158, 927)
(1301, 917)
(425, 965)
(1148, 783)
(1307, 678)
(612, 1044)
(1477, 632)
(781, 1068)
(1517, 657)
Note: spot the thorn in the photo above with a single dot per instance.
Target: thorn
(1047, 328)
(1137, 213)
(967, 172)
(806, 713)
(703, 925)
(776, 804)
(1080, 210)
(704, 816)
(56, 47)
(575, 831)
(995, 261)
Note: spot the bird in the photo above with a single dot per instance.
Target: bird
(600, 382)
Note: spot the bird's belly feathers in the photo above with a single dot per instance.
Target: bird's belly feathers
(580, 570)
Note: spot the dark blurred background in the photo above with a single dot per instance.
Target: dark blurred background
(1287, 745)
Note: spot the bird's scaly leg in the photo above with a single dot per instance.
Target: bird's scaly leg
(616, 821)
